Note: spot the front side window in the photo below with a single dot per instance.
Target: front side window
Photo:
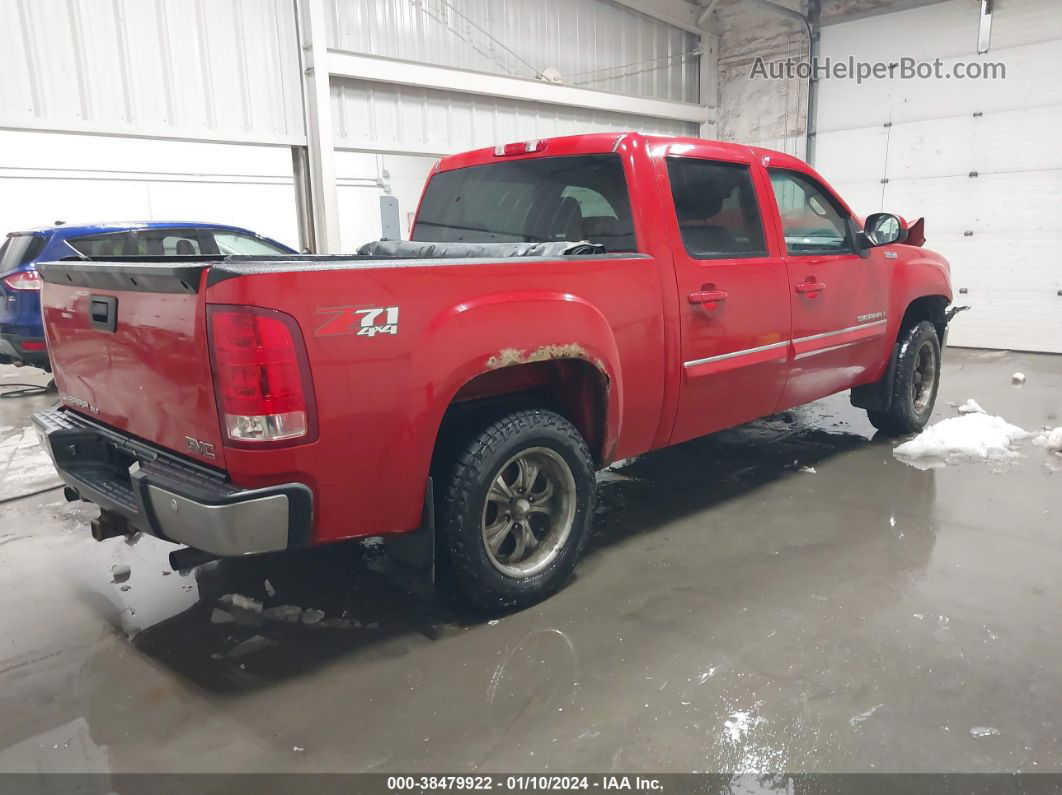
(537, 200)
(715, 204)
(811, 220)
(237, 243)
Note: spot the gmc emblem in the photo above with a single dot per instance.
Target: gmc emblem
(204, 449)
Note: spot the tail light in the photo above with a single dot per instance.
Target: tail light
(32, 346)
(25, 280)
(261, 376)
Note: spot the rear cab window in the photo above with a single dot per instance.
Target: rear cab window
(19, 250)
(716, 209)
(542, 199)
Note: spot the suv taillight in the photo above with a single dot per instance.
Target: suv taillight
(25, 280)
(261, 376)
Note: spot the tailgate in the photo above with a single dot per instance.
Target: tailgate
(128, 345)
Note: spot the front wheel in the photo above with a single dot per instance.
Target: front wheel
(915, 387)
(516, 507)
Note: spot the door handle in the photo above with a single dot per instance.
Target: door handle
(810, 287)
(710, 297)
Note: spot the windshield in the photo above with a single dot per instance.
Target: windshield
(530, 201)
(18, 250)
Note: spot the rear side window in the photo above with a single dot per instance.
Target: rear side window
(236, 243)
(716, 208)
(171, 242)
(113, 244)
(18, 250)
(530, 201)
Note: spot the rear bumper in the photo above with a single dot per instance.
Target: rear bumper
(167, 496)
(12, 349)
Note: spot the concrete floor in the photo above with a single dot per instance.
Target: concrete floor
(733, 614)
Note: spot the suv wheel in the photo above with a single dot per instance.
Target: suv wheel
(516, 507)
(917, 380)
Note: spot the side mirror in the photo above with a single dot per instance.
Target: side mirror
(882, 229)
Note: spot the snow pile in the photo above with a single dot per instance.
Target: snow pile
(1018, 379)
(23, 464)
(971, 437)
(1051, 441)
(971, 406)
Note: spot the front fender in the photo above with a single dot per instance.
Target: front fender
(507, 329)
(922, 273)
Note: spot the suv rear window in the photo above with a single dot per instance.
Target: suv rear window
(112, 244)
(530, 201)
(18, 250)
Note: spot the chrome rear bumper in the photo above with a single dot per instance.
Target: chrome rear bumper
(167, 496)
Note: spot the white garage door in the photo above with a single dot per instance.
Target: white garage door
(980, 159)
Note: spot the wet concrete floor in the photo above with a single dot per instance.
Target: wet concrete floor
(734, 613)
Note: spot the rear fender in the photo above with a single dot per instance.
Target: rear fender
(495, 332)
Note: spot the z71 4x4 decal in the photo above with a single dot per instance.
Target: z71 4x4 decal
(364, 322)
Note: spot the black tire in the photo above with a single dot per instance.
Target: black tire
(469, 507)
(912, 399)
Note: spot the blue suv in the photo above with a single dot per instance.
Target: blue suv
(21, 329)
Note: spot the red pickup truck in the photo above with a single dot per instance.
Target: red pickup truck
(465, 386)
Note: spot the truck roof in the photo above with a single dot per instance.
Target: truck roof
(600, 143)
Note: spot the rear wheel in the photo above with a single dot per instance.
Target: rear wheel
(515, 509)
(915, 385)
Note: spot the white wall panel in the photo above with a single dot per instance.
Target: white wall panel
(593, 43)
(1031, 81)
(221, 69)
(999, 230)
(384, 117)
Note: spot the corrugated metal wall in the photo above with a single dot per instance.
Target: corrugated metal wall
(224, 69)
(384, 117)
(594, 44)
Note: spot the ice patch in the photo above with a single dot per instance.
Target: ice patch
(971, 406)
(290, 613)
(984, 731)
(241, 602)
(704, 677)
(23, 464)
(737, 727)
(249, 646)
(862, 716)
(971, 437)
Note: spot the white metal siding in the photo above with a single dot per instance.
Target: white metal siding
(593, 43)
(384, 117)
(208, 69)
(999, 230)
